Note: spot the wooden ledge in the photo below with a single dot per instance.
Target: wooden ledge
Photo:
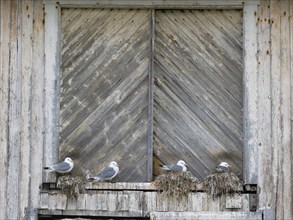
(150, 186)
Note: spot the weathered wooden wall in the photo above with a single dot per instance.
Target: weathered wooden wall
(268, 105)
(21, 110)
(274, 107)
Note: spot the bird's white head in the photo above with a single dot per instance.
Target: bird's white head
(224, 164)
(68, 160)
(114, 163)
(181, 162)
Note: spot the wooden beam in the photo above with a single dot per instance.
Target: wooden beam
(37, 111)
(151, 99)
(264, 105)
(26, 29)
(14, 116)
(52, 87)
(5, 9)
(157, 4)
(250, 93)
(285, 158)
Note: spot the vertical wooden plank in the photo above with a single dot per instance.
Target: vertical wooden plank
(291, 81)
(250, 92)
(114, 200)
(150, 201)
(233, 201)
(26, 29)
(162, 205)
(204, 200)
(37, 111)
(195, 202)
(124, 202)
(71, 204)
(104, 201)
(151, 98)
(52, 87)
(135, 201)
(14, 114)
(91, 202)
(61, 201)
(284, 209)
(264, 104)
(275, 20)
(44, 201)
(81, 202)
(245, 202)
(5, 7)
(213, 204)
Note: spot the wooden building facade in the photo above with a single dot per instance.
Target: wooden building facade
(146, 83)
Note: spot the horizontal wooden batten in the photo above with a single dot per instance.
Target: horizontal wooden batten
(133, 186)
(159, 4)
(137, 203)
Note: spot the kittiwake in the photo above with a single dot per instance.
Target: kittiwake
(64, 167)
(179, 167)
(222, 168)
(108, 173)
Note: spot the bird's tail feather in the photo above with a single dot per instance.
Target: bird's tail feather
(91, 179)
(163, 167)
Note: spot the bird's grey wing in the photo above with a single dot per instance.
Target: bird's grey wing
(107, 172)
(222, 169)
(63, 166)
(174, 167)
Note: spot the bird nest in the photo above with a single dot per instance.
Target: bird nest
(176, 184)
(222, 183)
(71, 185)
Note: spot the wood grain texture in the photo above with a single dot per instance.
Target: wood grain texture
(26, 32)
(264, 104)
(14, 115)
(104, 91)
(250, 158)
(174, 4)
(4, 99)
(285, 210)
(276, 117)
(37, 111)
(51, 88)
(198, 88)
(204, 215)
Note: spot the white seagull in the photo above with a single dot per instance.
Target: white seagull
(222, 168)
(179, 167)
(64, 167)
(108, 173)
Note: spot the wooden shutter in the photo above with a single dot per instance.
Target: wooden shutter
(104, 90)
(198, 88)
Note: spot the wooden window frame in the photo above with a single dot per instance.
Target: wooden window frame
(53, 61)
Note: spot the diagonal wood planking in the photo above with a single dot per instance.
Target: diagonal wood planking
(198, 88)
(104, 90)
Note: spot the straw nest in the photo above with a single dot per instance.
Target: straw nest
(71, 185)
(176, 184)
(222, 183)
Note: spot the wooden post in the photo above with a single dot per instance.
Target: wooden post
(52, 87)
(250, 92)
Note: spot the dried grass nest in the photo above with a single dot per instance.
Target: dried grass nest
(71, 185)
(176, 184)
(222, 183)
